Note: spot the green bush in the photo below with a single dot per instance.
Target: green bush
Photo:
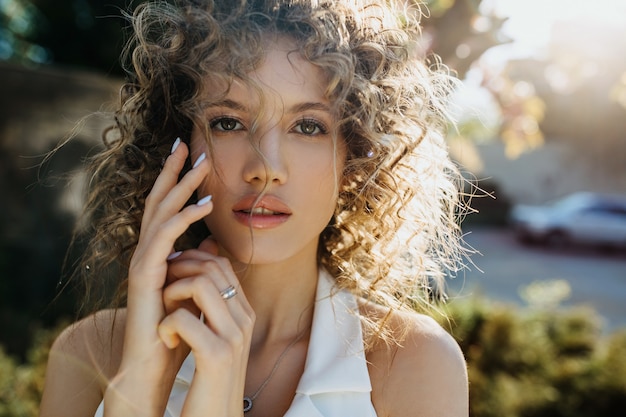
(21, 384)
(522, 362)
(539, 362)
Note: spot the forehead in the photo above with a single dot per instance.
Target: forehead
(282, 75)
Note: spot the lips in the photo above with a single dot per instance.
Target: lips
(261, 211)
(268, 204)
(269, 211)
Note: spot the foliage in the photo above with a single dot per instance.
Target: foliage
(18, 22)
(539, 362)
(82, 33)
(21, 384)
(582, 84)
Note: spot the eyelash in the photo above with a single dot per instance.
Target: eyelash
(214, 124)
(318, 127)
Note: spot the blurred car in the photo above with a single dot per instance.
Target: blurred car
(583, 218)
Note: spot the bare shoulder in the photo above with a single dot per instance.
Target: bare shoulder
(425, 375)
(82, 359)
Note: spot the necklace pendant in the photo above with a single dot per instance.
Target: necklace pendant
(247, 404)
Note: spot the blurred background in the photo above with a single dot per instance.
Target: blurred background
(541, 309)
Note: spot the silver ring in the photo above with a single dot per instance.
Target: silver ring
(228, 293)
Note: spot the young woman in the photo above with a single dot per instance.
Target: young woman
(277, 192)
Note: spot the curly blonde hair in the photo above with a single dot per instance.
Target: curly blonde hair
(395, 229)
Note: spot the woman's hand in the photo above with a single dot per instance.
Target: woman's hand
(148, 367)
(220, 339)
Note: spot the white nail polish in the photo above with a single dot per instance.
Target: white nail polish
(174, 255)
(204, 200)
(175, 145)
(200, 159)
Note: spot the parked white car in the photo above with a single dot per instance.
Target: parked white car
(583, 218)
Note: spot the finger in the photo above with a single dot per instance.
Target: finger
(177, 196)
(175, 325)
(182, 325)
(197, 262)
(168, 176)
(170, 305)
(158, 245)
(227, 318)
(209, 245)
(187, 290)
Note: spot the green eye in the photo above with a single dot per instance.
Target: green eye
(226, 124)
(310, 127)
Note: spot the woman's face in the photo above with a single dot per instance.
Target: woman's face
(276, 163)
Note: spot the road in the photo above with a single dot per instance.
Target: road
(596, 279)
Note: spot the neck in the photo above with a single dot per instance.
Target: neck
(282, 296)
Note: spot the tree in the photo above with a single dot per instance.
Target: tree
(19, 20)
(582, 80)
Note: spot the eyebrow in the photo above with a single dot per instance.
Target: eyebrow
(298, 108)
(231, 104)
(310, 106)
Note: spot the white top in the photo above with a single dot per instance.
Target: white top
(335, 381)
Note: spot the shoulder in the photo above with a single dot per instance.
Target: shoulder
(83, 358)
(94, 341)
(423, 375)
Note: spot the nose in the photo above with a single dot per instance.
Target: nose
(266, 161)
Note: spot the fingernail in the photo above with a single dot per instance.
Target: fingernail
(204, 200)
(175, 145)
(200, 159)
(174, 255)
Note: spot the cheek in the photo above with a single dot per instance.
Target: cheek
(224, 168)
(338, 168)
(223, 177)
(197, 144)
(218, 160)
(325, 182)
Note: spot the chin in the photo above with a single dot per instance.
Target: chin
(267, 253)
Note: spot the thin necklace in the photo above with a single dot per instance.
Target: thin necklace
(248, 400)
